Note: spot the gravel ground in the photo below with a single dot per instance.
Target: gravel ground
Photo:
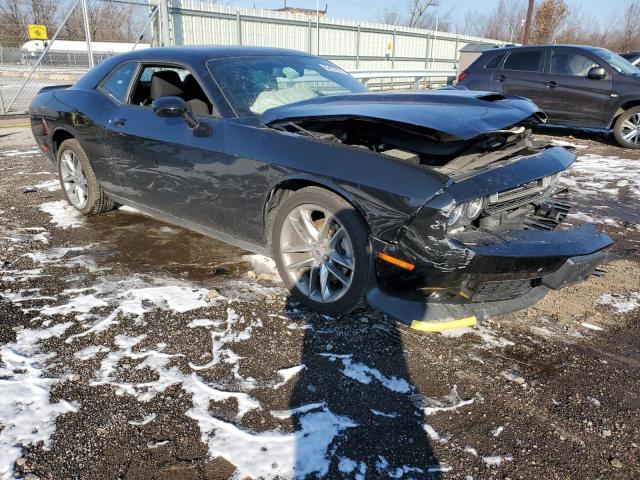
(134, 349)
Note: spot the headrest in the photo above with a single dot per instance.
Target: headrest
(190, 83)
(166, 83)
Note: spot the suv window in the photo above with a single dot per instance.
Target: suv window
(527, 60)
(117, 82)
(494, 62)
(569, 63)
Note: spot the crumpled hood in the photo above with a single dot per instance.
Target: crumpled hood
(461, 114)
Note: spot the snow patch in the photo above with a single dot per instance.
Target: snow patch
(496, 460)
(591, 326)
(289, 455)
(448, 403)
(364, 374)
(62, 214)
(27, 416)
(622, 303)
(146, 419)
(90, 352)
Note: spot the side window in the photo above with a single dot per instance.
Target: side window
(494, 62)
(568, 63)
(117, 82)
(526, 60)
(157, 81)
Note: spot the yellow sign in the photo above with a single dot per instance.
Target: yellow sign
(37, 32)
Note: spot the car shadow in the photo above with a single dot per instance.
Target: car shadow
(357, 375)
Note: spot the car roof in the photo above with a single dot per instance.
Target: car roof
(192, 52)
(587, 48)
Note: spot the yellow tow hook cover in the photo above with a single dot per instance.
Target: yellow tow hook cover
(442, 326)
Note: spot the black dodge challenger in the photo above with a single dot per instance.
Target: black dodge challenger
(435, 207)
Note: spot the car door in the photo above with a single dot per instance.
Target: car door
(169, 167)
(573, 97)
(110, 93)
(523, 74)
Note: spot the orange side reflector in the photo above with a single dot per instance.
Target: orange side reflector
(395, 261)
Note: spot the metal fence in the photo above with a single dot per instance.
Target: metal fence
(352, 45)
(119, 25)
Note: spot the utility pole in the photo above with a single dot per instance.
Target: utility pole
(527, 25)
(165, 35)
(87, 31)
(317, 27)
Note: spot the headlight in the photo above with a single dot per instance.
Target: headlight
(474, 208)
(466, 211)
(456, 214)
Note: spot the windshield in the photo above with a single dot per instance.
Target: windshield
(255, 84)
(616, 61)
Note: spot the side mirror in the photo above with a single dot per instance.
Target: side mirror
(177, 107)
(169, 107)
(596, 73)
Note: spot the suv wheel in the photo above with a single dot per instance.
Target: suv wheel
(79, 183)
(627, 128)
(320, 244)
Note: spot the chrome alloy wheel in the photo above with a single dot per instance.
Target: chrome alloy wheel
(317, 253)
(73, 179)
(631, 129)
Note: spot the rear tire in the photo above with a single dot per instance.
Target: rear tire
(627, 128)
(324, 265)
(79, 183)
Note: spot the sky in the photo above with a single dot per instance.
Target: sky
(371, 10)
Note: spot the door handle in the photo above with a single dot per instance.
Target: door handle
(119, 121)
(551, 84)
(501, 78)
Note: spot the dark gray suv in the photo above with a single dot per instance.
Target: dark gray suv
(574, 85)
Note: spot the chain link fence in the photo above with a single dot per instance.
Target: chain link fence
(60, 56)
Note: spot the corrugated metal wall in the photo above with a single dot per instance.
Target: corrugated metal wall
(350, 44)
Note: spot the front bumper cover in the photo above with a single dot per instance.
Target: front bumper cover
(438, 316)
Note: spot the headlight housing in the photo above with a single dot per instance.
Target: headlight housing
(475, 207)
(456, 214)
(466, 212)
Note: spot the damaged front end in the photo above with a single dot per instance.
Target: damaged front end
(489, 244)
(491, 240)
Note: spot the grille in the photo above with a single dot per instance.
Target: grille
(504, 290)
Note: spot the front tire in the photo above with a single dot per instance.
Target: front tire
(79, 183)
(320, 244)
(627, 128)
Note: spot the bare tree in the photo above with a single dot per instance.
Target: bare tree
(504, 22)
(109, 21)
(549, 17)
(391, 16)
(13, 23)
(629, 35)
(420, 14)
(418, 11)
(45, 12)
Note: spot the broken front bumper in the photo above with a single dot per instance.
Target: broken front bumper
(503, 275)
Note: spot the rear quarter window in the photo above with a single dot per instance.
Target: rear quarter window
(494, 62)
(117, 82)
(526, 61)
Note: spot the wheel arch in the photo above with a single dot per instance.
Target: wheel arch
(59, 135)
(279, 192)
(623, 108)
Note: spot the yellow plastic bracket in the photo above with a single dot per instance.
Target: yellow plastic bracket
(442, 326)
